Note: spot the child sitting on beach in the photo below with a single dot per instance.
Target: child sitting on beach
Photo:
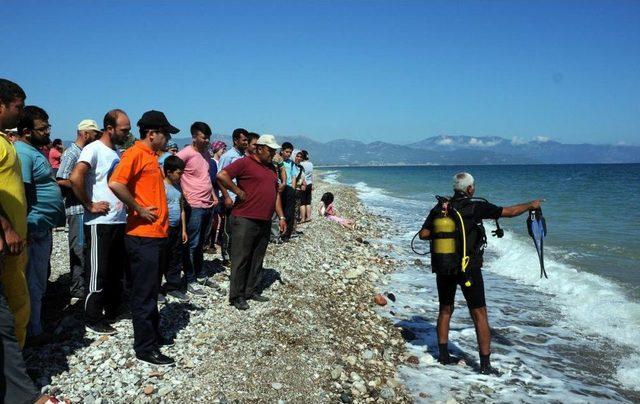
(326, 209)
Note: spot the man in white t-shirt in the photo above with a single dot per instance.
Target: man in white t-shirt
(105, 217)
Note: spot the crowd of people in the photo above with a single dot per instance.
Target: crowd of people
(136, 213)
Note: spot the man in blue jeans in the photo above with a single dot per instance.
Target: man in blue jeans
(45, 210)
(87, 133)
(201, 199)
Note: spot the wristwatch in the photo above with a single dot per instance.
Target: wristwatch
(283, 218)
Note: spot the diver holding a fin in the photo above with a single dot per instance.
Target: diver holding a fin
(457, 237)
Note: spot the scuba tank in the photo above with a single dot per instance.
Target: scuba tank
(445, 259)
(449, 242)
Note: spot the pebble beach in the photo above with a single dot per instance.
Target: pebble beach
(319, 339)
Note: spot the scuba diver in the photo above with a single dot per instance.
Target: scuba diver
(457, 237)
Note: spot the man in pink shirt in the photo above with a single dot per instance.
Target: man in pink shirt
(54, 156)
(198, 191)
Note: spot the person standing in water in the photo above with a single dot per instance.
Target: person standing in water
(472, 211)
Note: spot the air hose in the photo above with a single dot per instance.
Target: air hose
(465, 258)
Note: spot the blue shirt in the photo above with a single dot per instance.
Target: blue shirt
(162, 158)
(45, 209)
(227, 158)
(174, 196)
(291, 170)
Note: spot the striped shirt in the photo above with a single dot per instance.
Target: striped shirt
(72, 205)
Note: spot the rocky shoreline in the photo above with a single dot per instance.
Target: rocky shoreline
(319, 338)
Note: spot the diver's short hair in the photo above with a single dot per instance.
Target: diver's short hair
(461, 181)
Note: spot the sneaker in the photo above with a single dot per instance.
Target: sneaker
(163, 341)
(195, 290)
(259, 298)
(162, 299)
(181, 296)
(209, 283)
(155, 357)
(100, 328)
(240, 303)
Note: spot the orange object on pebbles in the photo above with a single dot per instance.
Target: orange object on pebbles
(380, 300)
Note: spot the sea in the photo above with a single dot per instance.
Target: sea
(571, 338)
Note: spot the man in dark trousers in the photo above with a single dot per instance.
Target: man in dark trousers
(138, 182)
(472, 211)
(250, 220)
(104, 224)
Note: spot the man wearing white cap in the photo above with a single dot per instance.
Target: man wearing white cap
(250, 220)
(87, 132)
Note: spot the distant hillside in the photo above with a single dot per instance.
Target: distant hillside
(445, 150)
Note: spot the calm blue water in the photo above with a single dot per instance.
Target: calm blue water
(580, 326)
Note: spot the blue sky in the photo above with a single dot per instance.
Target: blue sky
(395, 71)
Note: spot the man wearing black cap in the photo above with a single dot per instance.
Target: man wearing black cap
(138, 182)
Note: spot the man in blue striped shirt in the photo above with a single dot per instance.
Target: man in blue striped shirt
(240, 144)
(87, 132)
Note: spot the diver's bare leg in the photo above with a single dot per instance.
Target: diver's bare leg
(483, 334)
(444, 318)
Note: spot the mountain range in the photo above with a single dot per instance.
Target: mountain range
(455, 150)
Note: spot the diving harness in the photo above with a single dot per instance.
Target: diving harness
(445, 255)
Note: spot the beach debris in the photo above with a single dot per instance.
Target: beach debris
(336, 372)
(407, 334)
(380, 300)
(148, 389)
(345, 398)
(354, 272)
(391, 296)
(387, 393)
(413, 360)
(367, 354)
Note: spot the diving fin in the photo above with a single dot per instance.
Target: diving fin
(537, 228)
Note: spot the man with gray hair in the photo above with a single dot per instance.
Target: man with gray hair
(87, 132)
(471, 212)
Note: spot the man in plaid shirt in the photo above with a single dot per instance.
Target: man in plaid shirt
(88, 131)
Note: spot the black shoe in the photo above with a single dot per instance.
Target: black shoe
(259, 298)
(101, 328)
(449, 360)
(181, 296)
(155, 357)
(125, 314)
(490, 371)
(38, 340)
(163, 341)
(240, 303)
(209, 283)
(195, 290)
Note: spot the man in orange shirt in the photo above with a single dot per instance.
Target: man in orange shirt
(138, 182)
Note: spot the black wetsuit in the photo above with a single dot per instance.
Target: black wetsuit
(472, 212)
